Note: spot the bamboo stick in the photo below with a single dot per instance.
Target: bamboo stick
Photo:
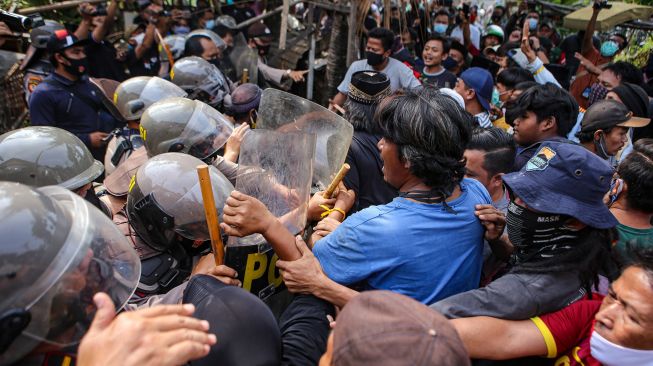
(211, 213)
(336, 180)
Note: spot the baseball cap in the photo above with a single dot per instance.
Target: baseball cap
(567, 179)
(62, 39)
(481, 81)
(259, 30)
(609, 113)
(368, 87)
(384, 328)
(246, 329)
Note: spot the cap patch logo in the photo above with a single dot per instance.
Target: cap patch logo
(540, 161)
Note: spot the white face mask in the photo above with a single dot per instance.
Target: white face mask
(138, 38)
(610, 354)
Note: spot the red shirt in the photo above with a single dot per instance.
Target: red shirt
(567, 332)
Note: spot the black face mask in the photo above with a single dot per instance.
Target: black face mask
(449, 63)
(263, 50)
(215, 62)
(374, 59)
(538, 236)
(77, 67)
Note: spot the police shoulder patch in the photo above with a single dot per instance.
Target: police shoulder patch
(541, 159)
(33, 82)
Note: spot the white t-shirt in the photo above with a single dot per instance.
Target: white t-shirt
(400, 75)
(474, 35)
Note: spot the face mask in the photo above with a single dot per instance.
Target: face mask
(209, 24)
(374, 59)
(609, 48)
(537, 236)
(263, 50)
(496, 98)
(77, 67)
(611, 354)
(532, 23)
(601, 147)
(138, 38)
(180, 29)
(496, 18)
(215, 62)
(440, 28)
(597, 92)
(449, 63)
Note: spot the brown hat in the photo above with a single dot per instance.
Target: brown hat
(609, 113)
(259, 30)
(384, 328)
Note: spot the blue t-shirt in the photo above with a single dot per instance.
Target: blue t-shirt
(416, 249)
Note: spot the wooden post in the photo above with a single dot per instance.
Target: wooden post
(387, 9)
(310, 79)
(211, 213)
(284, 24)
(352, 35)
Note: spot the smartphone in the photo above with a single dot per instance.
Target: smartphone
(518, 56)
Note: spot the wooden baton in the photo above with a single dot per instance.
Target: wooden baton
(336, 180)
(211, 213)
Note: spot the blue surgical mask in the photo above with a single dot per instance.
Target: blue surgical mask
(609, 48)
(440, 28)
(209, 24)
(181, 29)
(532, 23)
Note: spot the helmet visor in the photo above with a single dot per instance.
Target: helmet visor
(206, 131)
(96, 257)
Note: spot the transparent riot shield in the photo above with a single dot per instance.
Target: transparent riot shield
(243, 57)
(285, 112)
(275, 168)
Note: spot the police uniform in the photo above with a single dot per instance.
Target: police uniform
(75, 106)
(38, 71)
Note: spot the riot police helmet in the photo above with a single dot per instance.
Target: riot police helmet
(186, 126)
(57, 252)
(134, 95)
(43, 155)
(165, 200)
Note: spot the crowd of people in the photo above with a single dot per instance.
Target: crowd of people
(497, 205)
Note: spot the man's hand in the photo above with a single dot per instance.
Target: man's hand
(244, 215)
(493, 219)
(206, 265)
(162, 335)
(97, 138)
(526, 45)
(232, 148)
(303, 275)
(5, 31)
(314, 210)
(297, 76)
(345, 198)
(86, 11)
(324, 228)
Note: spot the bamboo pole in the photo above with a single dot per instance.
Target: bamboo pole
(352, 35)
(336, 180)
(57, 6)
(211, 213)
(387, 9)
(284, 24)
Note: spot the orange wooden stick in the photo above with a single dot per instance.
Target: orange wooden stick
(211, 213)
(336, 180)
